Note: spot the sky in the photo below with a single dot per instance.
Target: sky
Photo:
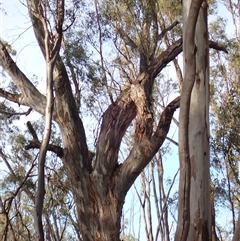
(16, 29)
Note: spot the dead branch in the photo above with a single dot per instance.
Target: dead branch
(217, 46)
(161, 35)
(9, 115)
(9, 96)
(36, 144)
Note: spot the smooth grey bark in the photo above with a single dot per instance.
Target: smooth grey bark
(52, 45)
(190, 14)
(194, 222)
(200, 200)
(42, 155)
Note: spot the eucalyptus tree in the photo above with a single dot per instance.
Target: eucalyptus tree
(99, 184)
(99, 190)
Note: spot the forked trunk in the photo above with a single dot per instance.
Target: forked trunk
(98, 208)
(99, 219)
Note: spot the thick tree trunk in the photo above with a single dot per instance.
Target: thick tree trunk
(99, 193)
(99, 216)
(100, 189)
(98, 207)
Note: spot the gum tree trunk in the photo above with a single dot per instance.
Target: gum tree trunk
(200, 200)
(194, 210)
(100, 193)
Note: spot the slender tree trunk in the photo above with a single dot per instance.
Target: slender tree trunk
(200, 201)
(214, 233)
(194, 221)
(42, 156)
(190, 15)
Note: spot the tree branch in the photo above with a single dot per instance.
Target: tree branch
(11, 97)
(116, 120)
(34, 144)
(143, 152)
(29, 96)
(120, 114)
(127, 40)
(64, 103)
(52, 44)
(171, 140)
(161, 35)
(32, 131)
(171, 53)
(9, 115)
(217, 46)
(165, 57)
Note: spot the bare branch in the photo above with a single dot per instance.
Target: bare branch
(217, 46)
(73, 74)
(34, 144)
(165, 57)
(171, 140)
(32, 131)
(9, 115)
(37, 100)
(51, 45)
(161, 35)
(127, 40)
(9, 96)
(4, 157)
(6, 162)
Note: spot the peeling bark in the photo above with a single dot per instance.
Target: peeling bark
(142, 153)
(99, 190)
